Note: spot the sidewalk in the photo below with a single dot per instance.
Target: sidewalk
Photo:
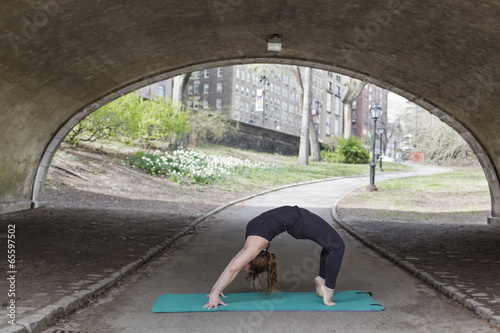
(462, 261)
(58, 248)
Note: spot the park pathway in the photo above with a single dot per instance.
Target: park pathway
(194, 264)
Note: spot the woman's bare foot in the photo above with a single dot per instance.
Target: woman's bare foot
(327, 295)
(319, 281)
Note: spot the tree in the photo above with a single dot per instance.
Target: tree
(312, 131)
(308, 133)
(354, 88)
(208, 124)
(179, 97)
(314, 141)
(428, 134)
(133, 119)
(306, 112)
(180, 83)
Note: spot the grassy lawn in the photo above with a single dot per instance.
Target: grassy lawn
(294, 173)
(287, 170)
(455, 196)
(263, 171)
(461, 195)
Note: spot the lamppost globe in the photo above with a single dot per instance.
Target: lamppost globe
(375, 112)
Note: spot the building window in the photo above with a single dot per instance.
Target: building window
(329, 86)
(336, 128)
(219, 103)
(161, 91)
(339, 78)
(328, 129)
(237, 73)
(206, 88)
(190, 90)
(237, 88)
(248, 92)
(337, 90)
(329, 102)
(205, 103)
(196, 89)
(337, 105)
(220, 72)
(236, 103)
(219, 88)
(197, 74)
(207, 73)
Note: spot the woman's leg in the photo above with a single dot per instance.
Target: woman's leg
(318, 230)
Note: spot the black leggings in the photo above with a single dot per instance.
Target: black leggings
(319, 231)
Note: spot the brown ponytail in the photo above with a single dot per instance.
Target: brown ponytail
(265, 261)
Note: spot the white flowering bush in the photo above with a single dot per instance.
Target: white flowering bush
(182, 165)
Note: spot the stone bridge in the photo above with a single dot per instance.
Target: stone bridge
(62, 59)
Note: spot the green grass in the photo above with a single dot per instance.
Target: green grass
(445, 197)
(282, 170)
(289, 173)
(456, 183)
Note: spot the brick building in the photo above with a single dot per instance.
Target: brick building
(362, 121)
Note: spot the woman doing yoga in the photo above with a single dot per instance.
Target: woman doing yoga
(255, 258)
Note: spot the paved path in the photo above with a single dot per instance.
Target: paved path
(194, 264)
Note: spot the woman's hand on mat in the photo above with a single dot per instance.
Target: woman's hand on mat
(214, 301)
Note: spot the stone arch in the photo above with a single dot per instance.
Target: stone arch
(483, 157)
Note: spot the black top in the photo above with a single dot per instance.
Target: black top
(275, 221)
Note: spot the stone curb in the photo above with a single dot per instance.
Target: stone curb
(480, 309)
(45, 316)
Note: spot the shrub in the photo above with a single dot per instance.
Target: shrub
(327, 156)
(329, 143)
(131, 118)
(351, 150)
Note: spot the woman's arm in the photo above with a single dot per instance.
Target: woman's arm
(253, 246)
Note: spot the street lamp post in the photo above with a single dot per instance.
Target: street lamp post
(380, 131)
(375, 112)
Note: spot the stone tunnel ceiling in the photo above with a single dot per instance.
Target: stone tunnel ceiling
(60, 57)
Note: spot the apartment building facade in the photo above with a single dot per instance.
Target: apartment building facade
(236, 90)
(362, 121)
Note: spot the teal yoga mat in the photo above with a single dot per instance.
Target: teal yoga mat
(350, 300)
